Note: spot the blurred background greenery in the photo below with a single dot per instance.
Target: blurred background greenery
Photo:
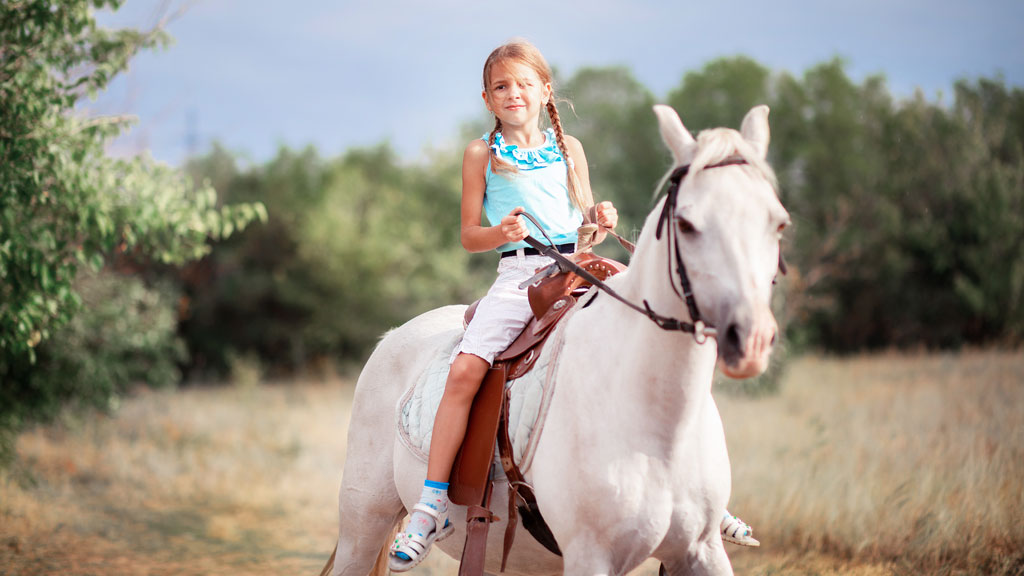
(908, 222)
(907, 228)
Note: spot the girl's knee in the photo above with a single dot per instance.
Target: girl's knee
(469, 366)
(465, 376)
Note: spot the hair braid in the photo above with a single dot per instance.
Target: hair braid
(522, 52)
(498, 164)
(572, 180)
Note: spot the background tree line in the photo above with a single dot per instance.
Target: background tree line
(908, 217)
(908, 221)
(908, 214)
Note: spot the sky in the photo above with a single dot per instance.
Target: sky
(256, 75)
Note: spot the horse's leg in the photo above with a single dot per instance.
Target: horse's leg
(708, 559)
(585, 556)
(364, 528)
(368, 516)
(369, 505)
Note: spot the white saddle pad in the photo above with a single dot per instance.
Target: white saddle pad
(531, 395)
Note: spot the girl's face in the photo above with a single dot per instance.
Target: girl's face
(516, 94)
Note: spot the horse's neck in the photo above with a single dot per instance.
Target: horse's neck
(641, 373)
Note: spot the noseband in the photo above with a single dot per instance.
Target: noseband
(669, 220)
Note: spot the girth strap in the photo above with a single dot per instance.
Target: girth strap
(519, 488)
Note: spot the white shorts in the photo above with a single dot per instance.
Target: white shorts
(504, 311)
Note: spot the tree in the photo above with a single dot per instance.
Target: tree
(64, 204)
(907, 214)
(614, 122)
(721, 93)
(356, 245)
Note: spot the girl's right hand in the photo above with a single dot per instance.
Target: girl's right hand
(513, 227)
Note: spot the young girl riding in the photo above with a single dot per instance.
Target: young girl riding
(517, 167)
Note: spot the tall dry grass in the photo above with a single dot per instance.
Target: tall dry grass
(869, 466)
(201, 481)
(916, 461)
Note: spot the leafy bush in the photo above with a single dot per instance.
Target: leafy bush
(355, 246)
(124, 335)
(907, 214)
(66, 207)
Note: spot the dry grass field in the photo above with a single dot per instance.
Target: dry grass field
(876, 465)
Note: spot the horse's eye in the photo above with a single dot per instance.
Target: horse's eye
(685, 226)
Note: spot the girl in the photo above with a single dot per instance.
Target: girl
(517, 167)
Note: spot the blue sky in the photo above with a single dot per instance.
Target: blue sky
(256, 74)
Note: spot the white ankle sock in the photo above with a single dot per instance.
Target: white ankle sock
(434, 495)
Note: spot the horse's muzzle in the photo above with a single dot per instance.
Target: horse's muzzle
(745, 345)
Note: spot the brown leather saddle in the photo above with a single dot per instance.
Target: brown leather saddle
(470, 479)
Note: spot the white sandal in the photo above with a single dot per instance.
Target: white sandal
(416, 547)
(738, 532)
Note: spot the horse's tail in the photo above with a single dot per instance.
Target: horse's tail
(380, 567)
(330, 562)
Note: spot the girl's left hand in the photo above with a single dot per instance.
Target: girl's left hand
(607, 215)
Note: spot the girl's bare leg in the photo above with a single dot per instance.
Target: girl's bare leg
(464, 378)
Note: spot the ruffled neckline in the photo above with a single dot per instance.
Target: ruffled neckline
(528, 158)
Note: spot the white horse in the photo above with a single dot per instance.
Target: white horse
(632, 462)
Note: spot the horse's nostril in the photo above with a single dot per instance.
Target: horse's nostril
(732, 339)
(775, 336)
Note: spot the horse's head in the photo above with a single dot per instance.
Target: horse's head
(726, 223)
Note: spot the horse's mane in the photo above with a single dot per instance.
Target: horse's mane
(717, 144)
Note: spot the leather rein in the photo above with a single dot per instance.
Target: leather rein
(700, 330)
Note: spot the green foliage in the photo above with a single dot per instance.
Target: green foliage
(354, 247)
(65, 206)
(124, 336)
(907, 219)
(64, 203)
(387, 253)
(625, 155)
(721, 93)
(907, 215)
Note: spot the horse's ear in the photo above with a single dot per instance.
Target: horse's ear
(755, 129)
(675, 135)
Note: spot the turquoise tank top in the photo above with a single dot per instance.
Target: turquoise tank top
(540, 187)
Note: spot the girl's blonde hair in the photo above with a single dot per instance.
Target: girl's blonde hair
(526, 54)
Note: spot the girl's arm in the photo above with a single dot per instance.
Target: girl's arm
(475, 237)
